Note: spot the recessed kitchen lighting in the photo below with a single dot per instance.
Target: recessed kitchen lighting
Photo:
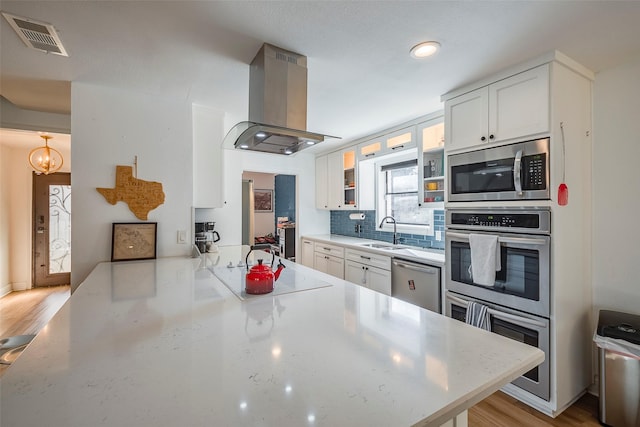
(424, 49)
(310, 142)
(260, 135)
(245, 146)
(287, 151)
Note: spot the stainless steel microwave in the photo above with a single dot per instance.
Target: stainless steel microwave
(509, 172)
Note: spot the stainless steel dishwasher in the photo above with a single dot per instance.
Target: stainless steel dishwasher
(416, 283)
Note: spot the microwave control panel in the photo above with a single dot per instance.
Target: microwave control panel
(535, 172)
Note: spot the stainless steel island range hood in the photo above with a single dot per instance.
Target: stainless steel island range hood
(277, 105)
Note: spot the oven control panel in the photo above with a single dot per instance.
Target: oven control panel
(496, 220)
(530, 221)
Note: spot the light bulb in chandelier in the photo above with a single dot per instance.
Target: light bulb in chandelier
(45, 159)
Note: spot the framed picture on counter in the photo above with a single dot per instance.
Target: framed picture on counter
(263, 200)
(133, 241)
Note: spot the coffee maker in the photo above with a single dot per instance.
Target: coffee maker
(205, 236)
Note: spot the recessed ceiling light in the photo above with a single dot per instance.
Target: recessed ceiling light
(424, 49)
(309, 142)
(245, 146)
(260, 135)
(287, 151)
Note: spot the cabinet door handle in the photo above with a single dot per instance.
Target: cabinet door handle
(491, 136)
(397, 146)
(483, 139)
(365, 257)
(370, 154)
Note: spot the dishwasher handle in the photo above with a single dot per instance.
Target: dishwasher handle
(416, 267)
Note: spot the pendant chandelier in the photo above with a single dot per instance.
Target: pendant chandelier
(45, 159)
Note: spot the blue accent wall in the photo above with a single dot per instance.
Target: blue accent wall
(285, 195)
(341, 224)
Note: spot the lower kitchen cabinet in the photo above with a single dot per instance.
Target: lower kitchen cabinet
(371, 277)
(329, 259)
(329, 264)
(370, 270)
(306, 252)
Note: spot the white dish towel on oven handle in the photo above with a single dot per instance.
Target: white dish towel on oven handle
(485, 258)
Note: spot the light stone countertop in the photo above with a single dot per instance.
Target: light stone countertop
(165, 343)
(412, 253)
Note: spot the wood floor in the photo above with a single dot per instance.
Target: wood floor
(501, 410)
(27, 312)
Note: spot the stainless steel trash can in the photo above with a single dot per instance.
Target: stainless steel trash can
(619, 366)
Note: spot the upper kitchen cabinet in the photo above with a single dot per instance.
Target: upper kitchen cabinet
(511, 108)
(431, 162)
(322, 178)
(349, 179)
(336, 178)
(208, 133)
(402, 139)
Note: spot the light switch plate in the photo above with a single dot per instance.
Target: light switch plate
(182, 236)
(438, 235)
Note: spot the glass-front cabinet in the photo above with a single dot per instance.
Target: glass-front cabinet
(349, 175)
(399, 140)
(431, 162)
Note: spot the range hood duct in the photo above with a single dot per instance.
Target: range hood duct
(277, 105)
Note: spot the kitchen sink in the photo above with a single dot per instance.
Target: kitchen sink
(378, 245)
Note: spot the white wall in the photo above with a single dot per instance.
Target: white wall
(110, 127)
(264, 222)
(616, 188)
(16, 215)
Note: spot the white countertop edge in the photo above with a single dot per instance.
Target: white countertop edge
(448, 412)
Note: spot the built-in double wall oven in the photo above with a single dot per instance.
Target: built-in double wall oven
(518, 300)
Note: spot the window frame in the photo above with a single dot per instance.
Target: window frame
(380, 200)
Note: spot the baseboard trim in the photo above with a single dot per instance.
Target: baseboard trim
(4, 290)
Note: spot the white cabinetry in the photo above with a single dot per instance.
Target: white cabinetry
(370, 270)
(336, 180)
(322, 187)
(400, 140)
(208, 133)
(306, 252)
(514, 107)
(431, 163)
(329, 259)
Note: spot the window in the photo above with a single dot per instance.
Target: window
(398, 196)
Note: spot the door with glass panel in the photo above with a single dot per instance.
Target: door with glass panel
(51, 229)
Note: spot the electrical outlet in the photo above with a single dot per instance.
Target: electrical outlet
(438, 235)
(182, 236)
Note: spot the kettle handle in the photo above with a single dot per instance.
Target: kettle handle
(216, 236)
(261, 246)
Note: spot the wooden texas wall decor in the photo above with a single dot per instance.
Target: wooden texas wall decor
(141, 196)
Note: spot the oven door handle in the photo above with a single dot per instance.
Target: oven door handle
(525, 322)
(522, 240)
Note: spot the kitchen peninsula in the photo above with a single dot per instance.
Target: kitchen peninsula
(166, 343)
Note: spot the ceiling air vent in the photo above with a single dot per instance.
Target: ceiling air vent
(37, 35)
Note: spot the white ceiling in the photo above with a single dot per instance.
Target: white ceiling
(361, 77)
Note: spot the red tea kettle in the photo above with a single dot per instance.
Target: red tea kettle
(260, 278)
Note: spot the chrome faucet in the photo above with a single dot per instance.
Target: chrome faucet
(395, 238)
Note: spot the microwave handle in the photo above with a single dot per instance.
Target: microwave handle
(517, 167)
(507, 317)
(516, 240)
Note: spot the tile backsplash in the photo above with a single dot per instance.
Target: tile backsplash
(341, 224)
